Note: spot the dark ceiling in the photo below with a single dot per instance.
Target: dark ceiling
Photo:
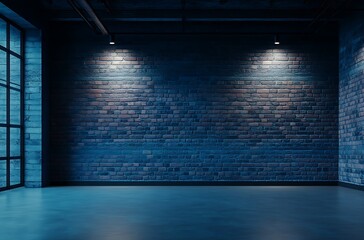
(309, 15)
(197, 4)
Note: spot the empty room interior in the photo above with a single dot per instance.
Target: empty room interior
(181, 119)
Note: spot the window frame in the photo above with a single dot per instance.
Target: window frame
(8, 125)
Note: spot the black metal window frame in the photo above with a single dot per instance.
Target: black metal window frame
(8, 87)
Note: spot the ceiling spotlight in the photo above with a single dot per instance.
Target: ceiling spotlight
(276, 39)
(112, 39)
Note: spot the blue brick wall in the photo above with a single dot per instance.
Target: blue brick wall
(33, 108)
(192, 108)
(351, 116)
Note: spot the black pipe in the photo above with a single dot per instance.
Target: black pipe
(93, 16)
(74, 6)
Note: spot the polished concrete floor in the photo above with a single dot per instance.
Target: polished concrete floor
(188, 213)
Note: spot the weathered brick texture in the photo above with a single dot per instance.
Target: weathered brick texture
(351, 116)
(33, 109)
(186, 108)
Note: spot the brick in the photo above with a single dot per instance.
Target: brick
(351, 121)
(33, 109)
(239, 114)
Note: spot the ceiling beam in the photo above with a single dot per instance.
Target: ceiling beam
(193, 15)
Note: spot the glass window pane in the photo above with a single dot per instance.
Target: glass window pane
(15, 39)
(14, 171)
(2, 104)
(14, 107)
(2, 33)
(2, 67)
(2, 142)
(2, 173)
(14, 71)
(14, 142)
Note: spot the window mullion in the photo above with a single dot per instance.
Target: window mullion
(7, 105)
(22, 108)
